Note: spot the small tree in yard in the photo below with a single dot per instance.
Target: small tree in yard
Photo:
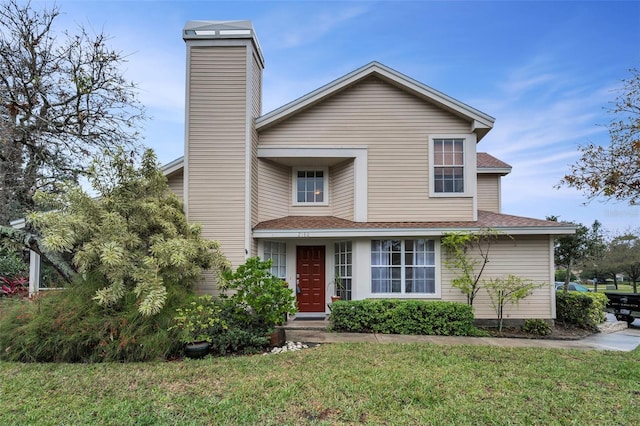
(468, 254)
(134, 236)
(575, 248)
(510, 290)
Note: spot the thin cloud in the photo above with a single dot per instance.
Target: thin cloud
(304, 28)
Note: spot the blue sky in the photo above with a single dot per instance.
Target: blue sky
(545, 70)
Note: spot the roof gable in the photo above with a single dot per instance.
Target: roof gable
(480, 123)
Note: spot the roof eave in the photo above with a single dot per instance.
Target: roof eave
(494, 170)
(173, 166)
(406, 232)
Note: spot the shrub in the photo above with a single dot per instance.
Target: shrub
(238, 341)
(403, 317)
(536, 326)
(584, 310)
(229, 328)
(66, 326)
(11, 264)
(198, 320)
(265, 297)
(17, 286)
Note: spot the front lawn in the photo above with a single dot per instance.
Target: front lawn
(335, 384)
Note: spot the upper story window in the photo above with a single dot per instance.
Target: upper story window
(448, 166)
(310, 186)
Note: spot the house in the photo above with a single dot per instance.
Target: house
(355, 181)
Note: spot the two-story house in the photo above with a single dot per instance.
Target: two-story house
(356, 181)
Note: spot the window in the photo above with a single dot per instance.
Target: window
(403, 266)
(310, 186)
(277, 252)
(343, 269)
(448, 166)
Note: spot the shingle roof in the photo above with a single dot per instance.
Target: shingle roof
(488, 161)
(486, 219)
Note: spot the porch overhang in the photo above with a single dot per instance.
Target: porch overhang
(293, 227)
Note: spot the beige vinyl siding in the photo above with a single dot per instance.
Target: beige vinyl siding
(341, 189)
(525, 256)
(489, 192)
(176, 183)
(274, 197)
(216, 132)
(395, 127)
(256, 110)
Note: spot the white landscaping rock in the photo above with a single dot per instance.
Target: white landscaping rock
(288, 347)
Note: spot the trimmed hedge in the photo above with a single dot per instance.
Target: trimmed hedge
(403, 317)
(584, 310)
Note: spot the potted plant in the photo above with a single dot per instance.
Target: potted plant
(262, 297)
(339, 288)
(195, 325)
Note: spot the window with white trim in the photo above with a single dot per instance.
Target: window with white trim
(277, 252)
(448, 166)
(310, 186)
(403, 266)
(343, 269)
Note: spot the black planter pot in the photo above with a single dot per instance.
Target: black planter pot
(196, 350)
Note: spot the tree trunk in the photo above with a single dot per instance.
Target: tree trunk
(31, 241)
(567, 277)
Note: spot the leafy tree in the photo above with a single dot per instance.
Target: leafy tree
(614, 171)
(133, 237)
(593, 263)
(509, 290)
(560, 275)
(63, 98)
(575, 248)
(625, 257)
(468, 254)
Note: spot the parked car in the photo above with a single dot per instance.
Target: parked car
(572, 287)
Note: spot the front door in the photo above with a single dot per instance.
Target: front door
(310, 278)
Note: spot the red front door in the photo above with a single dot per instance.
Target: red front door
(310, 276)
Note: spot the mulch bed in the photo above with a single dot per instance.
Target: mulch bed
(558, 332)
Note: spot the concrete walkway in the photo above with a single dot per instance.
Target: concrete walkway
(614, 336)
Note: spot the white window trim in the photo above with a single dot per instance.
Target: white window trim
(469, 165)
(294, 186)
(263, 249)
(437, 273)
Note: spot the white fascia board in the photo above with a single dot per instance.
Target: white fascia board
(494, 170)
(173, 166)
(401, 232)
(478, 118)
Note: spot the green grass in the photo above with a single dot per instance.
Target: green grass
(622, 288)
(335, 384)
